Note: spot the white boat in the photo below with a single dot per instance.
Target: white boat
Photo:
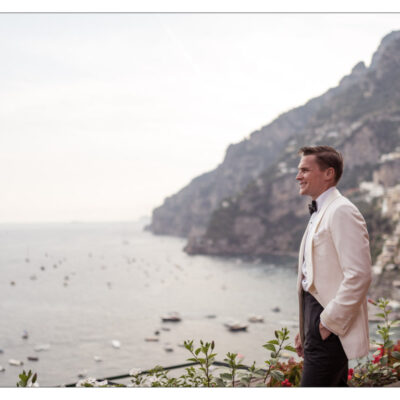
(2, 369)
(256, 318)
(236, 326)
(25, 335)
(16, 363)
(116, 344)
(41, 347)
(171, 317)
(97, 359)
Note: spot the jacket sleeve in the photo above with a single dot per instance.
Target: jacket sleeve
(350, 238)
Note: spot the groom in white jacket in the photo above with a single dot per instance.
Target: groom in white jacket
(334, 274)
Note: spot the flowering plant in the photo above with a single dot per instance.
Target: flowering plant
(384, 368)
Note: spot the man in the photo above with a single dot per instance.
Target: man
(334, 274)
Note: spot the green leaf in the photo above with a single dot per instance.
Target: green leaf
(380, 315)
(197, 351)
(220, 382)
(269, 346)
(278, 375)
(226, 375)
(396, 355)
(290, 348)
(276, 334)
(273, 341)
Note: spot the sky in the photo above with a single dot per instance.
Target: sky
(102, 116)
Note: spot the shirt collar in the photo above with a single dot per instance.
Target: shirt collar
(323, 196)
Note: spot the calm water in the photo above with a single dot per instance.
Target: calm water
(79, 286)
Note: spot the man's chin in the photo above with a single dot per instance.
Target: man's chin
(302, 192)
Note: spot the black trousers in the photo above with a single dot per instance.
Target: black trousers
(325, 362)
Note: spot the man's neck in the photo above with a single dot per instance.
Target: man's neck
(322, 192)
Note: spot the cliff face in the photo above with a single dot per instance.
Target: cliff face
(250, 205)
(188, 212)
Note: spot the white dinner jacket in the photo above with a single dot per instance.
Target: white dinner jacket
(339, 272)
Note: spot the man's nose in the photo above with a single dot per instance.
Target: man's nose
(298, 176)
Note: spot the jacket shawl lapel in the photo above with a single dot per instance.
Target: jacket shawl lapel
(309, 262)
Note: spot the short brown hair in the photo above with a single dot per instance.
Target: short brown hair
(326, 157)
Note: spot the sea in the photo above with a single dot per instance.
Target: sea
(87, 295)
(74, 288)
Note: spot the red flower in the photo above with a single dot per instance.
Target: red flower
(371, 301)
(376, 359)
(286, 383)
(351, 371)
(349, 377)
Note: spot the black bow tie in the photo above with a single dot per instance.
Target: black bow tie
(312, 207)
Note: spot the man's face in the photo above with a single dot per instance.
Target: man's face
(312, 180)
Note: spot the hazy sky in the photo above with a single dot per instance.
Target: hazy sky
(104, 115)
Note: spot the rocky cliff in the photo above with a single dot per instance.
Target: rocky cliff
(249, 205)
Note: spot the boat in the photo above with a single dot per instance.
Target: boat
(25, 335)
(2, 369)
(256, 318)
(97, 359)
(168, 348)
(33, 358)
(171, 317)
(235, 326)
(116, 344)
(41, 347)
(82, 374)
(16, 363)
(151, 339)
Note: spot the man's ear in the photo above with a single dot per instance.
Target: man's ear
(330, 173)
